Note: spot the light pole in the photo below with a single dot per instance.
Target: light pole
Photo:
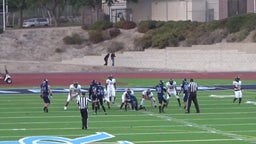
(254, 6)
(4, 15)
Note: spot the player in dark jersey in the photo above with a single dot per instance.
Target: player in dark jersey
(130, 98)
(184, 89)
(94, 98)
(93, 87)
(100, 96)
(160, 90)
(45, 92)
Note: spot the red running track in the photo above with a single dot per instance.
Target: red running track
(65, 79)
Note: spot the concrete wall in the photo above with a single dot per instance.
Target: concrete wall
(250, 6)
(160, 10)
(223, 9)
(141, 10)
(198, 10)
(214, 4)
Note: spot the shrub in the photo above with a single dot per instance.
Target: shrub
(114, 32)
(238, 36)
(101, 25)
(74, 39)
(254, 37)
(115, 46)
(164, 40)
(59, 50)
(95, 36)
(145, 26)
(105, 35)
(85, 27)
(125, 24)
(215, 36)
(143, 42)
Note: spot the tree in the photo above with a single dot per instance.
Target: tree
(18, 5)
(50, 6)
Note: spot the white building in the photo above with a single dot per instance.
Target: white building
(118, 11)
(194, 10)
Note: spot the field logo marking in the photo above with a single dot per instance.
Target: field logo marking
(55, 139)
(9, 92)
(221, 96)
(251, 102)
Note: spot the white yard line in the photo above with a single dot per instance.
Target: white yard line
(200, 127)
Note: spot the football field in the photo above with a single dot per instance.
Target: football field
(22, 120)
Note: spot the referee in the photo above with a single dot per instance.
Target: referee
(192, 90)
(83, 106)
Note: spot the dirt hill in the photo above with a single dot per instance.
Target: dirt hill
(42, 49)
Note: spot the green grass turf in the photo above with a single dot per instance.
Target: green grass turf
(220, 121)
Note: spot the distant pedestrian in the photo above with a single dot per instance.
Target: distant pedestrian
(83, 106)
(237, 85)
(192, 90)
(106, 59)
(113, 58)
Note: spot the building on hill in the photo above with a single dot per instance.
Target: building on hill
(194, 10)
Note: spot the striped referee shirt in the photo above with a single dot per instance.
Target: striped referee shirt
(83, 102)
(192, 87)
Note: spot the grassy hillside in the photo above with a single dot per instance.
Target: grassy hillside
(172, 33)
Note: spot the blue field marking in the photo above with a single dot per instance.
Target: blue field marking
(9, 92)
(124, 142)
(135, 89)
(99, 136)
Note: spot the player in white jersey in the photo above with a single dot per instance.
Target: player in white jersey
(147, 95)
(172, 91)
(128, 91)
(111, 88)
(74, 92)
(237, 85)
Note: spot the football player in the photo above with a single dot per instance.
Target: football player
(111, 88)
(147, 95)
(45, 92)
(184, 89)
(100, 96)
(74, 92)
(160, 90)
(237, 85)
(172, 91)
(92, 90)
(128, 91)
(131, 99)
